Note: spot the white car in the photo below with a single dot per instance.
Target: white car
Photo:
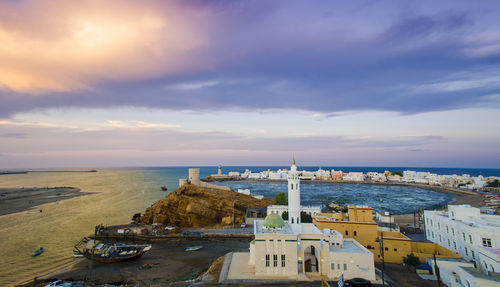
(58, 283)
(243, 225)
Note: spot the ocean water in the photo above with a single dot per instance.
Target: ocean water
(392, 198)
(114, 195)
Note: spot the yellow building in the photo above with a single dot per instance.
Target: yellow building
(359, 225)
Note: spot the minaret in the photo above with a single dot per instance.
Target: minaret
(293, 195)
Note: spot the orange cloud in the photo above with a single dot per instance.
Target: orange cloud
(67, 45)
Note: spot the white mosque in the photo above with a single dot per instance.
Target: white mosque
(300, 251)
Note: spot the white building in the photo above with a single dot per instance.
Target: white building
(279, 209)
(299, 251)
(463, 229)
(460, 273)
(354, 176)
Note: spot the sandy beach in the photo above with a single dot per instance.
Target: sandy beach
(166, 263)
(20, 199)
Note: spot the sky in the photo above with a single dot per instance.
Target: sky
(185, 83)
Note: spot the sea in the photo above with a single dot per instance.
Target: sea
(113, 195)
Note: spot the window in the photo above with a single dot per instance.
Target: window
(487, 242)
(447, 230)
(439, 225)
(455, 244)
(338, 266)
(432, 234)
(470, 238)
(333, 266)
(345, 266)
(466, 251)
(395, 249)
(355, 233)
(267, 260)
(283, 260)
(296, 186)
(292, 220)
(463, 234)
(449, 242)
(386, 249)
(472, 252)
(440, 238)
(275, 260)
(453, 231)
(346, 232)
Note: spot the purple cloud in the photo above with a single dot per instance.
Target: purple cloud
(327, 57)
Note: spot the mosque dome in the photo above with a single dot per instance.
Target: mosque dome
(274, 221)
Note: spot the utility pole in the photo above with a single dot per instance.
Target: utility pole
(381, 244)
(234, 202)
(436, 268)
(93, 250)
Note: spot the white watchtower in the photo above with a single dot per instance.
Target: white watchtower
(293, 195)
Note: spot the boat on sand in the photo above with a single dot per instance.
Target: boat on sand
(37, 252)
(110, 252)
(194, 248)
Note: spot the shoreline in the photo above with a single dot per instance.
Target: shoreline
(13, 200)
(424, 186)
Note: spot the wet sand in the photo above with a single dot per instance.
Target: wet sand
(165, 263)
(20, 199)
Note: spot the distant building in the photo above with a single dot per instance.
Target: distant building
(354, 176)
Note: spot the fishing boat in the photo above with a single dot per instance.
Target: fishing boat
(110, 252)
(77, 255)
(37, 252)
(34, 211)
(164, 188)
(194, 248)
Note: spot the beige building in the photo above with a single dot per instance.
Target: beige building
(300, 251)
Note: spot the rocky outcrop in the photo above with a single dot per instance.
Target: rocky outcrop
(195, 206)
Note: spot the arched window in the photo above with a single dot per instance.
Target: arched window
(292, 220)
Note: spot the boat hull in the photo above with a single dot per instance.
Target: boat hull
(103, 259)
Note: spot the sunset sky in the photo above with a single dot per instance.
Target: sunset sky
(169, 83)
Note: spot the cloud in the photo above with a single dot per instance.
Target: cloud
(139, 125)
(192, 55)
(75, 46)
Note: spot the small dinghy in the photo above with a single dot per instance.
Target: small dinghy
(77, 255)
(193, 248)
(37, 252)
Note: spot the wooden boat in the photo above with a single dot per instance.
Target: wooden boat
(34, 211)
(164, 188)
(77, 255)
(37, 252)
(193, 248)
(110, 253)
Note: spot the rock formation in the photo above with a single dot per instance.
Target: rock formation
(195, 206)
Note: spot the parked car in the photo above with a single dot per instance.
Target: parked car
(243, 225)
(58, 283)
(357, 282)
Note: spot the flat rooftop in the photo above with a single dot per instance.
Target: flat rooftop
(349, 247)
(288, 229)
